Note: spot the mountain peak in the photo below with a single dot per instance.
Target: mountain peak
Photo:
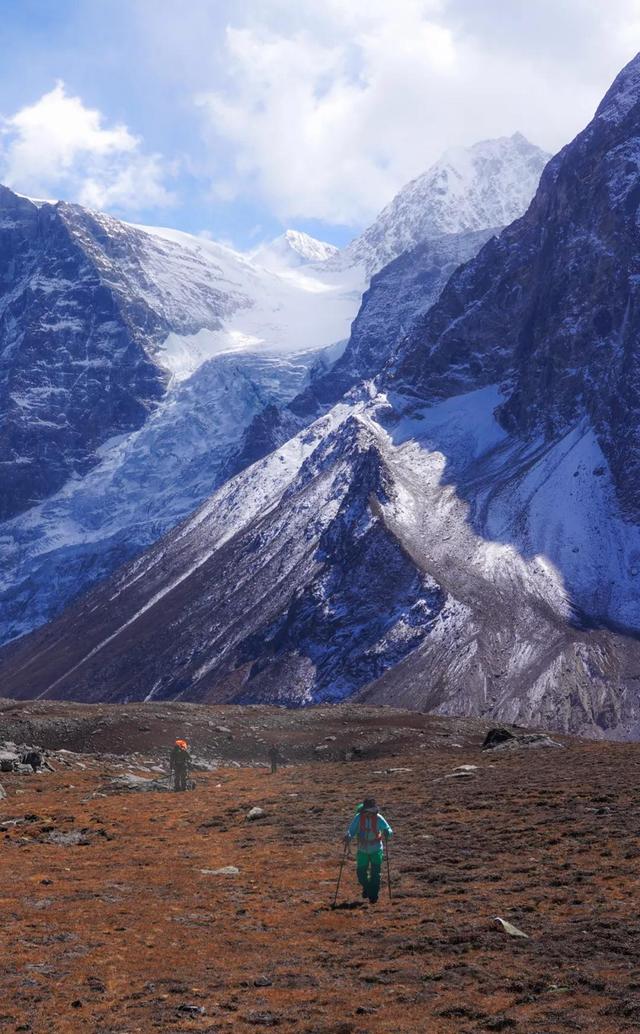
(623, 94)
(487, 185)
(291, 249)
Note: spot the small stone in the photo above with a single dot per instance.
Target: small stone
(509, 928)
(193, 1010)
(254, 814)
(262, 982)
(263, 1019)
(225, 870)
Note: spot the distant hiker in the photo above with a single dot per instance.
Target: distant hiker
(371, 829)
(274, 758)
(179, 762)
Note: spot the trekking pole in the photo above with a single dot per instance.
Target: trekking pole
(344, 856)
(388, 871)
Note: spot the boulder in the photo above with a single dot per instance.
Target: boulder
(518, 741)
(23, 769)
(495, 737)
(136, 784)
(254, 814)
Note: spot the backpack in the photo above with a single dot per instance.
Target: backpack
(180, 757)
(369, 836)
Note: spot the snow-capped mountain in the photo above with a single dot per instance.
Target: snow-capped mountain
(549, 307)
(435, 224)
(226, 340)
(468, 189)
(457, 537)
(291, 250)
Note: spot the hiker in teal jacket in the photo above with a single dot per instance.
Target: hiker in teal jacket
(371, 829)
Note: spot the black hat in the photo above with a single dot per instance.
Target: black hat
(369, 804)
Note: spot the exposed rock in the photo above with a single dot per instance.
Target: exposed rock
(521, 741)
(192, 1010)
(225, 870)
(136, 784)
(254, 814)
(497, 736)
(72, 838)
(262, 1019)
(509, 928)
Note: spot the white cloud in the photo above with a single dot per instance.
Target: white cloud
(327, 113)
(57, 147)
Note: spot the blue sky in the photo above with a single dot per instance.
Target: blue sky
(239, 119)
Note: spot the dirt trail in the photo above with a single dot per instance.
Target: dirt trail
(111, 925)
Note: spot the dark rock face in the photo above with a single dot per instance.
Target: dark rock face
(398, 295)
(81, 320)
(269, 429)
(551, 307)
(71, 372)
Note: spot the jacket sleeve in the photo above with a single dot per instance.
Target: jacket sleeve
(384, 827)
(353, 827)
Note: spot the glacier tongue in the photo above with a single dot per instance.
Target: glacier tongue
(276, 310)
(143, 485)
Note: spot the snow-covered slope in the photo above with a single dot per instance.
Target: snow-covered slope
(457, 535)
(468, 189)
(277, 311)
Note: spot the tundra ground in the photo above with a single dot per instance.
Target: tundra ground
(115, 922)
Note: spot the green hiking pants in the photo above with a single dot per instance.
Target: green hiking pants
(368, 865)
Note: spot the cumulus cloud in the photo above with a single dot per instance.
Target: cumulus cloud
(327, 112)
(58, 147)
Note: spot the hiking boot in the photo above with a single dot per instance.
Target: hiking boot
(373, 899)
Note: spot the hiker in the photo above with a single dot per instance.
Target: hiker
(179, 762)
(274, 758)
(371, 829)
